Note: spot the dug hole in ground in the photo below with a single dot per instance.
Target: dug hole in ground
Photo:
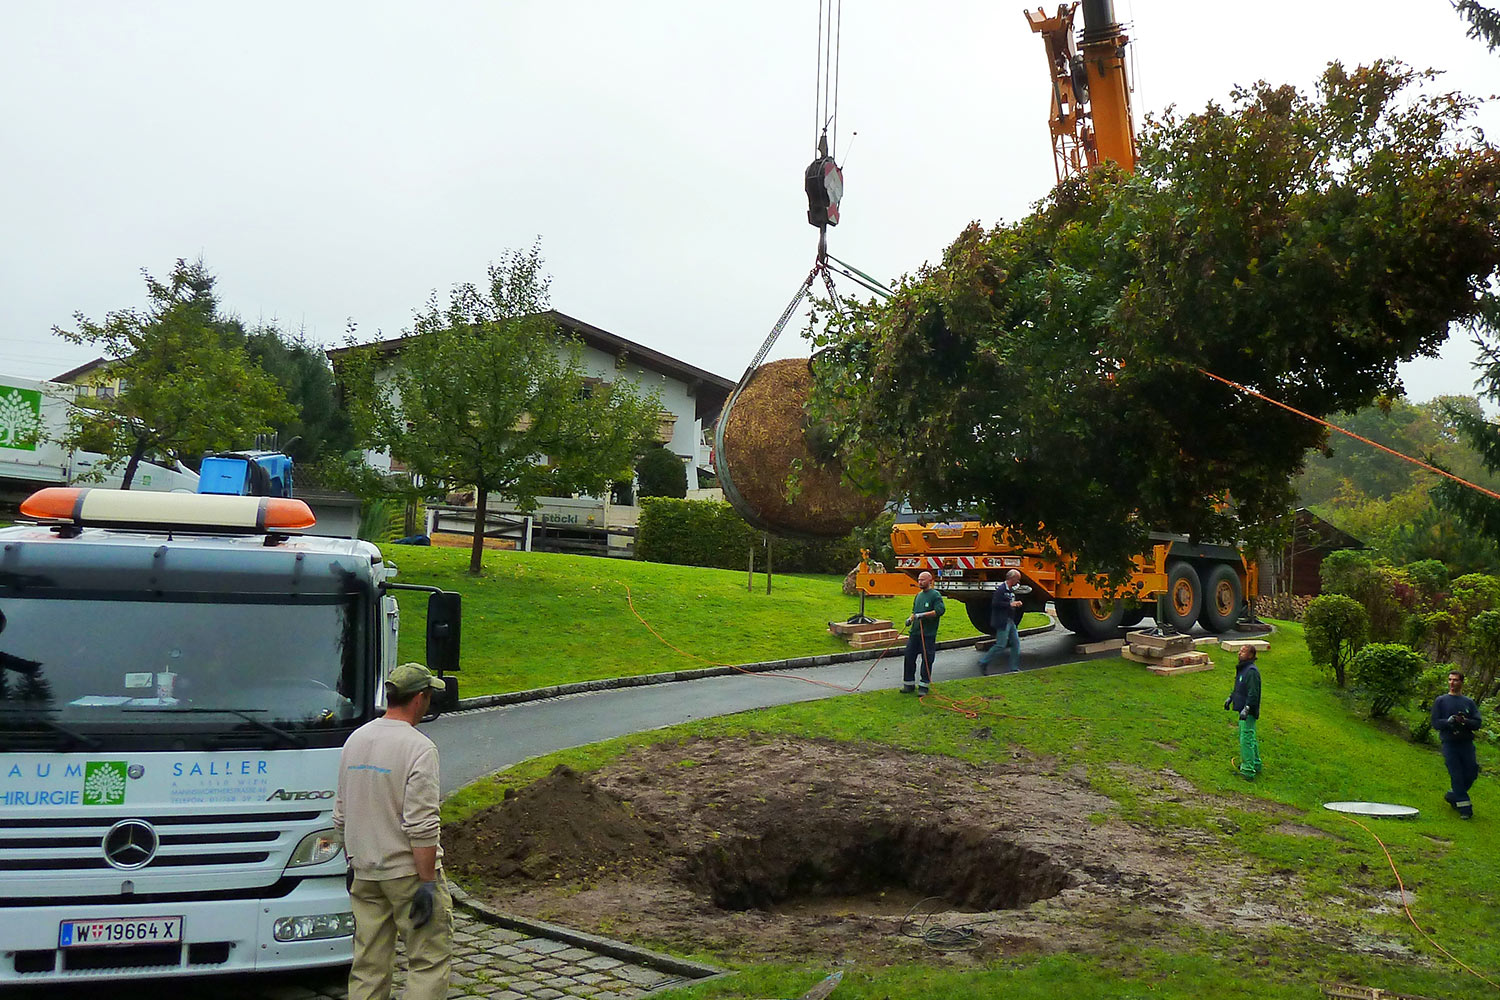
(788, 848)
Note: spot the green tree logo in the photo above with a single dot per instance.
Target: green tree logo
(104, 783)
(20, 418)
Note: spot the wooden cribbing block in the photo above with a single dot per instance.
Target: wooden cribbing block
(1233, 645)
(1185, 659)
(1206, 640)
(1167, 644)
(1191, 668)
(845, 628)
(871, 640)
(1105, 646)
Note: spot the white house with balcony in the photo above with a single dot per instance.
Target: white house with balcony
(691, 397)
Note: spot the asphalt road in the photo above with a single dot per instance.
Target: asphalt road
(473, 744)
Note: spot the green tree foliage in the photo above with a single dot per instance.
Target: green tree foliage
(489, 392)
(1335, 627)
(1387, 673)
(318, 426)
(1484, 22)
(1049, 370)
(712, 533)
(1382, 591)
(186, 384)
(1481, 655)
(661, 474)
(1479, 511)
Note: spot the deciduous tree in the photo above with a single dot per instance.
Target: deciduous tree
(487, 392)
(1051, 369)
(186, 383)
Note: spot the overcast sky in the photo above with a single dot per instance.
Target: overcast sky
(336, 162)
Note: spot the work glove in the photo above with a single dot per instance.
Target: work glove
(908, 623)
(1245, 713)
(349, 879)
(422, 904)
(1228, 703)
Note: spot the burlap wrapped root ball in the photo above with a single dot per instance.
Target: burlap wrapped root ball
(782, 484)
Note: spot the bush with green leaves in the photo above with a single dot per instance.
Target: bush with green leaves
(1387, 673)
(1335, 627)
(1386, 593)
(1480, 652)
(712, 533)
(1429, 577)
(661, 474)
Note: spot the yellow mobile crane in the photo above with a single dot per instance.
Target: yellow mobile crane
(1201, 584)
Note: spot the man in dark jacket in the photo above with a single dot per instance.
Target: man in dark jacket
(1005, 619)
(1455, 717)
(921, 639)
(1245, 699)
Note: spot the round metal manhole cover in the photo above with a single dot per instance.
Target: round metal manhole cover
(1384, 809)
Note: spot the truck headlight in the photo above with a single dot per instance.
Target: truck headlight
(316, 848)
(313, 927)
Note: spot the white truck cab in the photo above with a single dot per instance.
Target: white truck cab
(178, 674)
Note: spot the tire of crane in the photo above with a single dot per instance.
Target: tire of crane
(1184, 595)
(1094, 619)
(1133, 616)
(1067, 614)
(1223, 599)
(979, 614)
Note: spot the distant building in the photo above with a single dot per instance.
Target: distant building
(690, 396)
(1296, 568)
(91, 379)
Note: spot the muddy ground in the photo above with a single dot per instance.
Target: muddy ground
(790, 848)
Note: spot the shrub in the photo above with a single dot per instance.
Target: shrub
(1434, 634)
(712, 533)
(1429, 576)
(661, 474)
(1387, 673)
(1336, 627)
(1480, 647)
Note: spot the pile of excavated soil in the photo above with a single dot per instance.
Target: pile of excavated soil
(784, 848)
(561, 828)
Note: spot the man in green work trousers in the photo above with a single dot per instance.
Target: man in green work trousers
(1245, 699)
(921, 639)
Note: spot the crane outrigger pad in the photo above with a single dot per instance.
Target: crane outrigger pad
(1385, 810)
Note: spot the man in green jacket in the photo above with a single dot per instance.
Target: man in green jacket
(921, 639)
(1245, 699)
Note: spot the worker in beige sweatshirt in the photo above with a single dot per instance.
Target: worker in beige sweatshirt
(387, 808)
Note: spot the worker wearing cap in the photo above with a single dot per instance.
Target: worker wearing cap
(387, 808)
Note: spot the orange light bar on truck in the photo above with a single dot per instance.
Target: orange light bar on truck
(189, 511)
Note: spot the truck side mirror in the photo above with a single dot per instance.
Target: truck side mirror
(444, 630)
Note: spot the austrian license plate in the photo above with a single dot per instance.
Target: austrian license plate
(950, 572)
(119, 930)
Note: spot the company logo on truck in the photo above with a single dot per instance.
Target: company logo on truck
(20, 418)
(104, 783)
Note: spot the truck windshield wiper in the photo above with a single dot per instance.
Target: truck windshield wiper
(56, 727)
(292, 739)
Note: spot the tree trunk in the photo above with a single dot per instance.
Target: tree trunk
(130, 467)
(481, 510)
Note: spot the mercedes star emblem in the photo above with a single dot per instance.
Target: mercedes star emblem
(130, 843)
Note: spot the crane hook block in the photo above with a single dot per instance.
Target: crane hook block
(824, 183)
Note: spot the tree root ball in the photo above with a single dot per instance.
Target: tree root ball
(774, 478)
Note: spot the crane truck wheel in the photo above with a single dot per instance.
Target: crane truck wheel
(1184, 595)
(1133, 616)
(1095, 619)
(979, 615)
(1067, 614)
(1223, 599)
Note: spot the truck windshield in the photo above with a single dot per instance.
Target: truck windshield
(105, 662)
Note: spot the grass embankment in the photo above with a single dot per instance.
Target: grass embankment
(535, 619)
(1117, 722)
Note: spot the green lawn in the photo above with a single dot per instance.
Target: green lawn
(537, 619)
(1101, 714)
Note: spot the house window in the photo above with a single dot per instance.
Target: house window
(82, 392)
(106, 392)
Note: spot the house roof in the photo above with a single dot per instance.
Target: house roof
(1318, 534)
(73, 374)
(709, 390)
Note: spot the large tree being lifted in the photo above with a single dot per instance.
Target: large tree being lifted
(1049, 371)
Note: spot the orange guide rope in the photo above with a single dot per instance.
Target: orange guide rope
(1334, 427)
(1404, 906)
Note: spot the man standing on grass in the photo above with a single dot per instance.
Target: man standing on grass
(1455, 717)
(1245, 699)
(1005, 619)
(921, 639)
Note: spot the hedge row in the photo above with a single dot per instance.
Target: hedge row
(711, 533)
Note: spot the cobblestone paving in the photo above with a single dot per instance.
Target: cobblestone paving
(489, 963)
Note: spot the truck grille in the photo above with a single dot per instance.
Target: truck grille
(75, 844)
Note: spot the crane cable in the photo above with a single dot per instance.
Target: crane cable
(826, 97)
